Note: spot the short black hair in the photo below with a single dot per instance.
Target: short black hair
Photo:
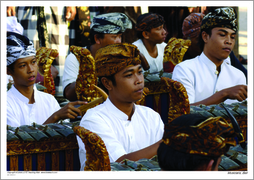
(200, 39)
(11, 66)
(92, 34)
(172, 160)
(111, 78)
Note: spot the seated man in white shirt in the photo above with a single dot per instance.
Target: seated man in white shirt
(25, 104)
(208, 79)
(151, 34)
(129, 131)
(106, 29)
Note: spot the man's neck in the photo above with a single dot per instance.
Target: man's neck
(94, 48)
(125, 107)
(151, 48)
(217, 62)
(27, 92)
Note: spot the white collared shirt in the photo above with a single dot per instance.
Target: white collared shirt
(199, 77)
(120, 135)
(156, 64)
(19, 112)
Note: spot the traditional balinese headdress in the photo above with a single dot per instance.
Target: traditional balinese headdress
(113, 58)
(220, 17)
(111, 23)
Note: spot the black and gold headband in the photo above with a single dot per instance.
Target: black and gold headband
(220, 17)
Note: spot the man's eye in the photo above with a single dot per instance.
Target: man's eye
(128, 75)
(23, 65)
(140, 72)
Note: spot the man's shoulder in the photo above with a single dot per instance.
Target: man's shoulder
(189, 63)
(145, 110)
(138, 42)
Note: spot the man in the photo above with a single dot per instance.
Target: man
(129, 131)
(106, 29)
(151, 34)
(192, 142)
(25, 104)
(191, 30)
(208, 79)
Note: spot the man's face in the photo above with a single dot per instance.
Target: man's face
(219, 45)
(110, 39)
(24, 72)
(157, 35)
(129, 84)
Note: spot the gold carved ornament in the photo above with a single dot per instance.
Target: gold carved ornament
(86, 77)
(45, 57)
(174, 52)
(97, 158)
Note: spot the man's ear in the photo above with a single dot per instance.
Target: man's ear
(145, 34)
(107, 83)
(9, 71)
(210, 165)
(96, 39)
(205, 36)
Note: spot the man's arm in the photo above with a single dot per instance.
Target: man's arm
(70, 74)
(238, 92)
(147, 152)
(70, 92)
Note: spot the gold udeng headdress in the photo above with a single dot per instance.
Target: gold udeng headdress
(113, 58)
(211, 137)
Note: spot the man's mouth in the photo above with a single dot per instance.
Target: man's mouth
(227, 49)
(140, 90)
(31, 78)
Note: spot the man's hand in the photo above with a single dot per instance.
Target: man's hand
(11, 11)
(69, 111)
(66, 112)
(238, 92)
(70, 13)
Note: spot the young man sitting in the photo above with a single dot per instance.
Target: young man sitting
(151, 34)
(129, 131)
(25, 104)
(208, 79)
(106, 29)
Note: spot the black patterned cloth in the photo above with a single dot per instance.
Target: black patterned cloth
(111, 23)
(18, 46)
(220, 17)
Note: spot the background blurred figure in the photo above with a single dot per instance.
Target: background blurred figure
(151, 34)
(106, 29)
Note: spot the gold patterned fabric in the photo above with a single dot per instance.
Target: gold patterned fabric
(114, 58)
(212, 137)
(220, 17)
